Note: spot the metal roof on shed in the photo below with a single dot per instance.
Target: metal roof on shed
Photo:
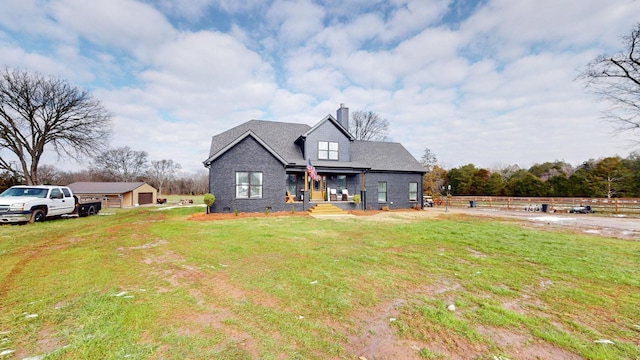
(104, 187)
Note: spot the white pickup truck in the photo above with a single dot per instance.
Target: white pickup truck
(21, 204)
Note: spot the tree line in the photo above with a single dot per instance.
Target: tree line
(179, 183)
(40, 113)
(609, 177)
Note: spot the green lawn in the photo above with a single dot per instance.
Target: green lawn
(148, 284)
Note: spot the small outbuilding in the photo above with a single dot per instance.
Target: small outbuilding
(117, 194)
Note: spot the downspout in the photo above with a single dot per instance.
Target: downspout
(363, 191)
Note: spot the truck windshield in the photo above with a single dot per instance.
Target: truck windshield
(21, 191)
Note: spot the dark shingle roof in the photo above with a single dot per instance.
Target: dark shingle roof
(384, 156)
(281, 138)
(104, 187)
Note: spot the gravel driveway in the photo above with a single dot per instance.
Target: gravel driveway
(619, 226)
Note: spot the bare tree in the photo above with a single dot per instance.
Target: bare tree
(428, 159)
(7, 180)
(37, 112)
(505, 171)
(161, 171)
(68, 177)
(616, 79)
(121, 164)
(369, 126)
(48, 174)
(190, 184)
(433, 181)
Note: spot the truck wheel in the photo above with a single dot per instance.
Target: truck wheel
(91, 211)
(37, 215)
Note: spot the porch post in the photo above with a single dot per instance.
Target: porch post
(305, 192)
(363, 192)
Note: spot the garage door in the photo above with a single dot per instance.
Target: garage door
(145, 198)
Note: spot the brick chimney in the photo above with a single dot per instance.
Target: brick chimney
(342, 116)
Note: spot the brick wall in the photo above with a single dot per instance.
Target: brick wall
(397, 190)
(248, 155)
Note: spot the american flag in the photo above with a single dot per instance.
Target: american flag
(313, 174)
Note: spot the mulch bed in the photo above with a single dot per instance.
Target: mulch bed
(242, 215)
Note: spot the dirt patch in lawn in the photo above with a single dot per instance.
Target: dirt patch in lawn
(373, 333)
(623, 227)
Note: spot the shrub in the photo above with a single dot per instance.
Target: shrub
(209, 199)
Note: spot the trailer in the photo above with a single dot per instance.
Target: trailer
(87, 208)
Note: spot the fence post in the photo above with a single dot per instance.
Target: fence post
(616, 206)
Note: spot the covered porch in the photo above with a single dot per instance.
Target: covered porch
(336, 186)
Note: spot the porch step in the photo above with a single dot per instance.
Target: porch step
(326, 209)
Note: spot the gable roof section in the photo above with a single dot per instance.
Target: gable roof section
(281, 140)
(104, 187)
(335, 123)
(384, 156)
(277, 137)
(235, 142)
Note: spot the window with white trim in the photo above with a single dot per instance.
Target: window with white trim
(382, 192)
(248, 185)
(413, 191)
(327, 150)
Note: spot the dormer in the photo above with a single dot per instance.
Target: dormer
(329, 141)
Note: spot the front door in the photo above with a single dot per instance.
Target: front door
(319, 189)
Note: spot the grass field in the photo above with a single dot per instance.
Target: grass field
(148, 284)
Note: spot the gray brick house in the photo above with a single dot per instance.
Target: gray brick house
(263, 164)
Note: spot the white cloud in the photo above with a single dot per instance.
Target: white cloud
(125, 25)
(296, 20)
(193, 9)
(342, 38)
(30, 17)
(209, 59)
(498, 87)
(412, 16)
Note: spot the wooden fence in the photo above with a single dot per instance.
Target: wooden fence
(630, 206)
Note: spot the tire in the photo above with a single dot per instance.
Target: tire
(37, 215)
(91, 211)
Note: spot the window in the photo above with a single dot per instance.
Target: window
(382, 191)
(413, 191)
(342, 183)
(327, 150)
(56, 194)
(66, 192)
(292, 180)
(248, 185)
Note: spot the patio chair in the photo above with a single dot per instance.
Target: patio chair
(332, 195)
(290, 198)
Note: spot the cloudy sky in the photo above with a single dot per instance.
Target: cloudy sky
(488, 82)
